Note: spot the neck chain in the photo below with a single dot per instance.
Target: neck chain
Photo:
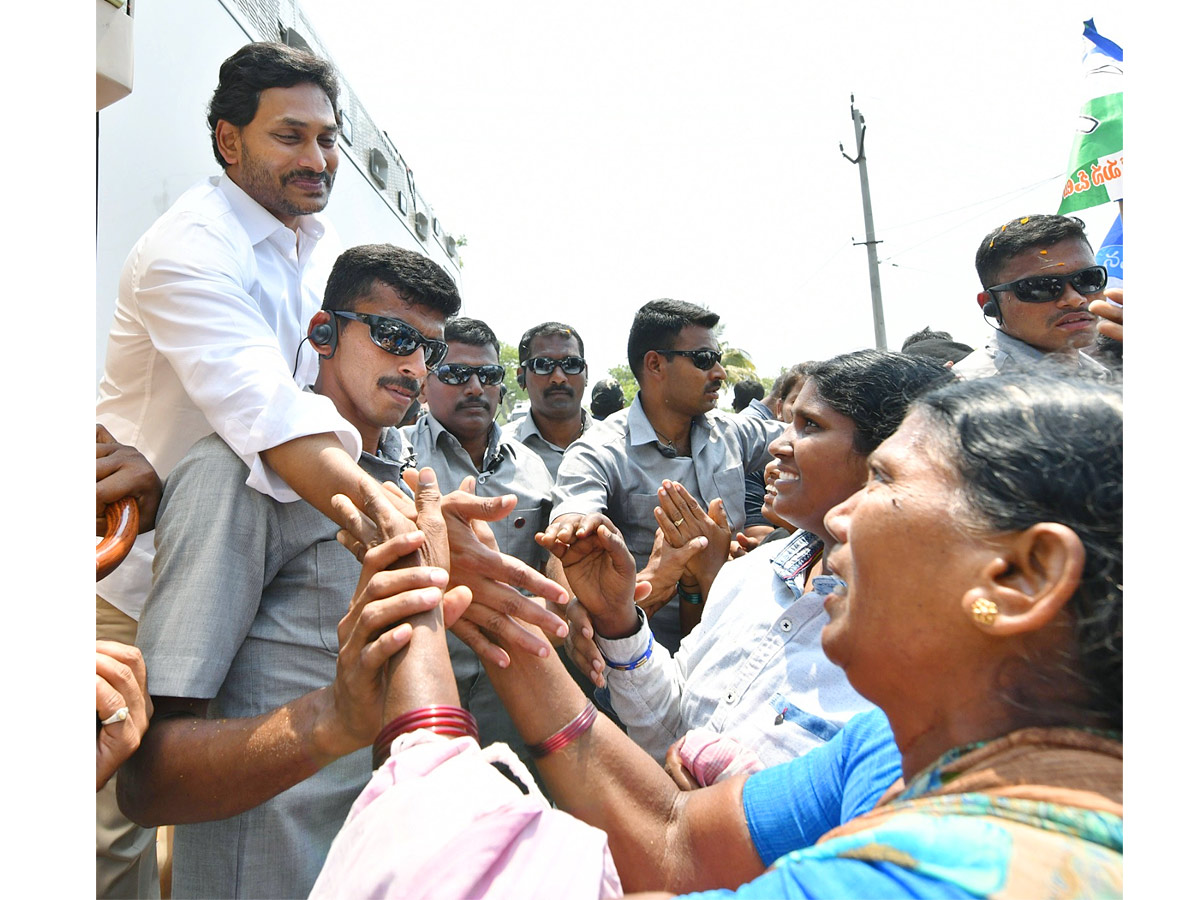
(667, 442)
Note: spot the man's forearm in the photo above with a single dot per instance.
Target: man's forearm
(316, 467)
(192, 769)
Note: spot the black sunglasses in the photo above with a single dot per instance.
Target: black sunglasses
(544, 365)
(459, 373)
(398, 337)
(701, 359)
(1047, 288)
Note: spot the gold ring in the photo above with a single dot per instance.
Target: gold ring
(678, 521)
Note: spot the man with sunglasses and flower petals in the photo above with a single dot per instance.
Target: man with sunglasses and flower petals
(554, 373)
(1039, 275)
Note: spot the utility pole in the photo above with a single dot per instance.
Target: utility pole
(860, 131)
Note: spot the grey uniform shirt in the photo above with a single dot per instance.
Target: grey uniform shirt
(525, 431)
(508, 468)
(1004, 353)
(616, 469)
(243, 610)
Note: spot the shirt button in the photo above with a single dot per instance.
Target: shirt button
(729, 698)
(519, 522)
(786, 625)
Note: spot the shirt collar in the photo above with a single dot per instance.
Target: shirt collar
(527, 427)
(1007, 345)
(491, 456)
(258, 223)
(642, 432)
(791, 562)
(1018, 349)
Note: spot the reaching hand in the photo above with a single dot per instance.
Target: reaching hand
(123, 472)
(373, 630)
(664, 569)
(681, 520)
(495, 579)
(601, 572)
(581, 644)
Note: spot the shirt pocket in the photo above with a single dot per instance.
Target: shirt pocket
(637, 524)
(515, 534)
(337, 577)
(731, 487)
(786, 711)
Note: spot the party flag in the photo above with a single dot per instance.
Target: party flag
(1098, 153)
(1112, 252)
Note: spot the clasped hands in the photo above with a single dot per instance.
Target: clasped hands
(456, 538)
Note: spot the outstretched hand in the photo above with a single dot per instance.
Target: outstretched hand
(601, 572)
(374, 629)
(681, 520)
(494, 579)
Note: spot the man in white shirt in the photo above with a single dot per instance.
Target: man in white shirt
(211, 306)
(208, 337)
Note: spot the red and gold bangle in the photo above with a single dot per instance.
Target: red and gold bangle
(566, 734)
(451, 721)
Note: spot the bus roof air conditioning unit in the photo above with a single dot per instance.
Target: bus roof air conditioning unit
(378, 165)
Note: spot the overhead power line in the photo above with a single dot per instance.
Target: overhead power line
(1015, 192)
(1004, 198)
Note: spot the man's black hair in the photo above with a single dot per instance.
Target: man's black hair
(746, 390)
(1019, 235)
(416, 278)
(463, 330)
(547, 329)
(658, 323)
(255, 68)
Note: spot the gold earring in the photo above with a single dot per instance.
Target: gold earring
(984, 611)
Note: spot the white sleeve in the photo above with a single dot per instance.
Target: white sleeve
(201, 317)
(648, 698)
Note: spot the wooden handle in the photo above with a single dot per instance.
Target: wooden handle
(122, 518)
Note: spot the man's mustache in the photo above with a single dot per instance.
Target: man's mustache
(479, 403)
(401, 381)
(308, 176)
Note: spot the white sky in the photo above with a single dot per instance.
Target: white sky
(600, 157)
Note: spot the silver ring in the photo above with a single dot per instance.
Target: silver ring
(678, 521)
(119, 716)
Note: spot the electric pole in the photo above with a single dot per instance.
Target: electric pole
(860, 131)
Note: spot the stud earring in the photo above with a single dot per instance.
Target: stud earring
(984, 611)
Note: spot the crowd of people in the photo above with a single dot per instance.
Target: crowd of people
(860, 637)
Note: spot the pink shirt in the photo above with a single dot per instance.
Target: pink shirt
(438, 820)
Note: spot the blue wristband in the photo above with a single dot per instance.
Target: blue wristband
(641, 660)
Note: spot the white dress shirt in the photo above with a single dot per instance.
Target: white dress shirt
(214, 301)
(752, 670)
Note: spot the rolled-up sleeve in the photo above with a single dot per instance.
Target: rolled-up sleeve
(583, 483)
(199, 313)
(648, 698)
